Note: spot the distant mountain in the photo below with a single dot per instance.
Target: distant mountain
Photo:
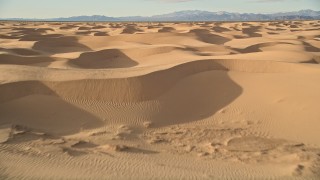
(227, 16)
(85, 18)
(196, 15)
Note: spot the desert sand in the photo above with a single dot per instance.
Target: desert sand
(211, 100)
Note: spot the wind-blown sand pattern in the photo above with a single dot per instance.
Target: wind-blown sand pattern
(160, 100)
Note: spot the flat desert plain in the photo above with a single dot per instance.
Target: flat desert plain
(211, 100)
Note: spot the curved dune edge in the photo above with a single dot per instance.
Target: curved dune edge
(20, 60)
(142, 87)
(108, 58)
(22, 51)
(138, 88)
(27, 73)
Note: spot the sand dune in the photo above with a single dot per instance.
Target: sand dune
(220, 29)
(166, 29)
(20, 60)
(101, 34)
(130, 29)
(22, 51)
(205, 36)
(109, 58)
(200, 100)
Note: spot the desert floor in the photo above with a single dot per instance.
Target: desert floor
(237, 100)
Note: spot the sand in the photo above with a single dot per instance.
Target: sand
(160, 100)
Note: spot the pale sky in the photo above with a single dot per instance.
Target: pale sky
(118, 8)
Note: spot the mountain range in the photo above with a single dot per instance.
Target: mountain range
(194, 15)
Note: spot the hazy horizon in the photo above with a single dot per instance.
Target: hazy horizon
(59, 8)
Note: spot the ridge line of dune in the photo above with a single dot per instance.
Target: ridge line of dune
(136, 88)
(51, 74)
